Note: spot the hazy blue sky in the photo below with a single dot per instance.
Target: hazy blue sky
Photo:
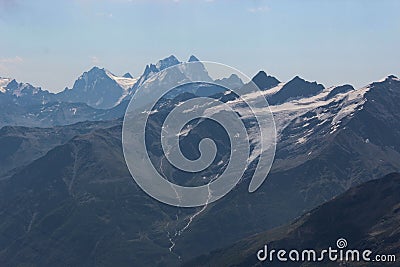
(50, 43)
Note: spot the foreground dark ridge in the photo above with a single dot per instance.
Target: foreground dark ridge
(367, 216)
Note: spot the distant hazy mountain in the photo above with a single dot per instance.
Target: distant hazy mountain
(151, 69)
(232, 81)
(127, 75)
(98, 88)
(95, 90)
(367, 216)
(23, 94)
(26, 105)
(195, 72)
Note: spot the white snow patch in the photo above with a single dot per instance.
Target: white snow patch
(3, 84)
(301, 140)
(125, 83)
(354, 101)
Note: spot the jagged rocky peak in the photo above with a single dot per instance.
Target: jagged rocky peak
(342, 89)
(13, 85)
(303, 87)
(97, 88)
(161, 65)
(389, 78)
(167, 62)
(96, 70)
(392, 77)
(264, 81)
(389, 83)
(128, 75)
(231, 82)
(297, 79)
(93, 73)
(233, 77)
(192, 58)
(150, 69)
(17, 88)
(294, 89)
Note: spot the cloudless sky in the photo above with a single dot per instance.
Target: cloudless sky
(50, 43)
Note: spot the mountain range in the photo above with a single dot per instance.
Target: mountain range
(96, 95)
(97, 88)
(68, 199)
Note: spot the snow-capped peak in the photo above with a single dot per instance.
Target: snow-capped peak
(125, 82)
